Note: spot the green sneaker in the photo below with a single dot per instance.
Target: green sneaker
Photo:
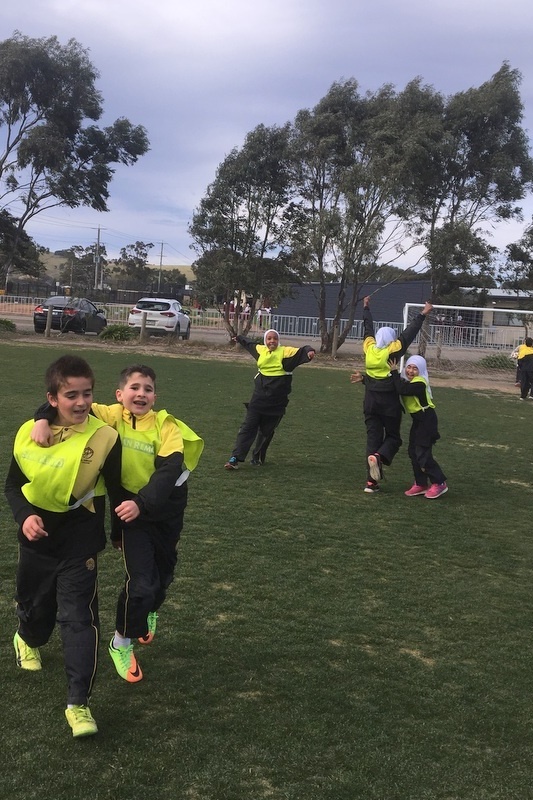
(152, 625)
(125, 663)
(27, 657)
(81, 721)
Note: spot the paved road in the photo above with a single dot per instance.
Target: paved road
(24, 323)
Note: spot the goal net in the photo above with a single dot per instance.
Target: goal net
(471, 341)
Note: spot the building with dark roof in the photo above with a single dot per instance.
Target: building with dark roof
(387, 303)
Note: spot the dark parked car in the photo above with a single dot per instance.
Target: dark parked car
(76, 314)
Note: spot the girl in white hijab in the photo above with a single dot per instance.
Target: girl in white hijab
(417, 398)
(381, 405)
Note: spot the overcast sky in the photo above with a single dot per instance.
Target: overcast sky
(200, 75)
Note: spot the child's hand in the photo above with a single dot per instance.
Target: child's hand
(311, 354)
(127, 511)
(41, 433)
(427, 308)
(393, 365)
(356, 377)
(33, 528)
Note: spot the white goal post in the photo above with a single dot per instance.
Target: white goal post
(470, 339)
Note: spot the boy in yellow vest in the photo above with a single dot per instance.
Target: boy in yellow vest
(158, 453)
(57, 498)
(270, 398)
(524, 360)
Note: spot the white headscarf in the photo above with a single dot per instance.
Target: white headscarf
(422, 367)
(270, 330)
(385, 336)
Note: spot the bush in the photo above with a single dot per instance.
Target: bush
(7, 326)
(118, 333)
(497, 361)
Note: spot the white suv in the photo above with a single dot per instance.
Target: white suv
(162, 316)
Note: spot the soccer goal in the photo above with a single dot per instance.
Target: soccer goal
(469, 341)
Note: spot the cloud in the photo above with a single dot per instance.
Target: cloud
(199, 76)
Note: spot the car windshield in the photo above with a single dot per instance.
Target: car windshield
(153, 305)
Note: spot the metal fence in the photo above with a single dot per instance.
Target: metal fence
(469, 337)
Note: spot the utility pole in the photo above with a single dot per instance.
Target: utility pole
(160, 269)
(98, 273)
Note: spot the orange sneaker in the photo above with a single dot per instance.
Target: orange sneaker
(152, 625)
(125, 663)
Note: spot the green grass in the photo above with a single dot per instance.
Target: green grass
(318, 643)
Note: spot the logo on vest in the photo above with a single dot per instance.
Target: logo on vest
(87, 456)
(90, 564)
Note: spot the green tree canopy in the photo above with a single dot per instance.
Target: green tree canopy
(466, 165)
(238, 230)
(49, 156)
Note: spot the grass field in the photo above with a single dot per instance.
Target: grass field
(318, 643)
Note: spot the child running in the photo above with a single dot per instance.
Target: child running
(270, 398)
(158, 453)
(417, 398)
(524, 361)
(58, 500)
(381, 405)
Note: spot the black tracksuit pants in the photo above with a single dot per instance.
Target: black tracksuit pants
(65, 591)
(150, 554)
(259, 427)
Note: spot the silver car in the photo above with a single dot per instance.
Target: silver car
(163, 316)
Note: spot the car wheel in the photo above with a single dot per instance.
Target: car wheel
(38, 330)
(187, 333)
(82, 330)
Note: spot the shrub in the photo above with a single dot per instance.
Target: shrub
(7, 326)
(497, 361)
(118, 333)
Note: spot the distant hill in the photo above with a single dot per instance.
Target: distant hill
(53, 263)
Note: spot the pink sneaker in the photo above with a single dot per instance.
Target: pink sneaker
(435, 490)
(415, 490)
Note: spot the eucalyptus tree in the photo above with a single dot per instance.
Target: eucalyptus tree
(343, 216)
(18, 248)
(132, 266)
(49, 153)
(516, 273)
(465, 166)
(78, 270)
(238, 230)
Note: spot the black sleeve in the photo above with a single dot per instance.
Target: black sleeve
(162, 482)
(18, 504)
(48, 412)
(111, 471)
(408, 388)
(249, 345)
(45, 411)
(368, 324)
(301, 357)
(408, 336)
